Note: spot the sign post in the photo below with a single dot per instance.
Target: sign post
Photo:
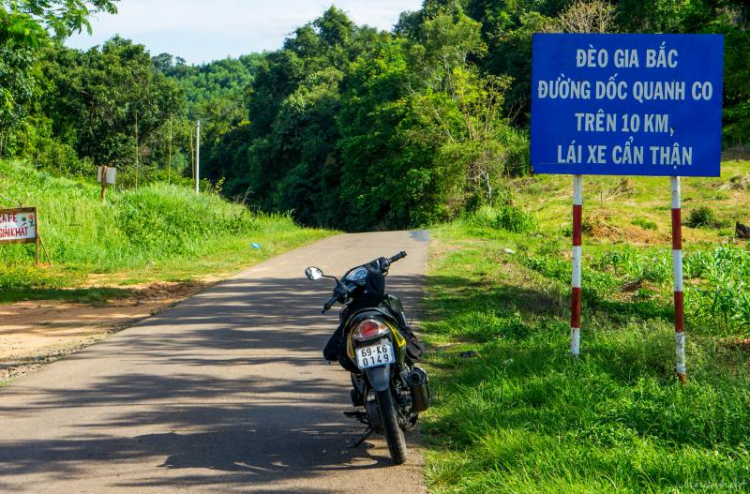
(627, 104)
(103, 173)
(198, 158)
(106, 175)
(679, 298)
(575, 311)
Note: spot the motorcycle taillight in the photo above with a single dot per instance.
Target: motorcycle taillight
(369, 329)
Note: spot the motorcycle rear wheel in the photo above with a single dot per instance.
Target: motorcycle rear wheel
(394, 435)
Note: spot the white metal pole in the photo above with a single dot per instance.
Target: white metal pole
(679, 298)
(198, 158)
(575, 312)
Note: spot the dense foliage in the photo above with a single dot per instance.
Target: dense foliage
(344, 126)
(25, 25)
(362, 129)
(107, 105)
(215, 94)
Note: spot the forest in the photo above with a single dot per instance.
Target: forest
(344, 126)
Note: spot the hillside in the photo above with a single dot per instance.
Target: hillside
(515, 414)
(155, 233)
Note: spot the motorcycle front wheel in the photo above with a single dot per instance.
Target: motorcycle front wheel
(394, 435)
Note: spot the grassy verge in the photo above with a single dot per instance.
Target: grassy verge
(513, 413)
(157, 233)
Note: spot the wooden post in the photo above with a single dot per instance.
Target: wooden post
(46, 252)
(36, 240)
(679, 297)
(104, 182)
(575, 312)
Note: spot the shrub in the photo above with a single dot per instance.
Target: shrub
(644, 223)
(703, 217)
(510, 218)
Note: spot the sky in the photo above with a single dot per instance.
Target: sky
(204, 30)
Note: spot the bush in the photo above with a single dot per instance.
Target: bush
(510, 218)
(644, 223)
(703, 217)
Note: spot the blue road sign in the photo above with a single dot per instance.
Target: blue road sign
(627, 104)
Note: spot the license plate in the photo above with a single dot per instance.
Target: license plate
(375, 356)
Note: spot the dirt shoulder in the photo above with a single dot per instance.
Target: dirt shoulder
(34, 333)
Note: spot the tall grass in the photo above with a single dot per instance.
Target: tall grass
(721, 299)
(134, 229)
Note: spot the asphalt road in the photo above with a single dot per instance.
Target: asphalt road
(227, 392)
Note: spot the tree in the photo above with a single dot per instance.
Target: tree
(95, 97)
(24, 27)
(16, 88)
(588, 16)
(27, 21)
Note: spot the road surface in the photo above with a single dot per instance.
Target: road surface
(227, 392)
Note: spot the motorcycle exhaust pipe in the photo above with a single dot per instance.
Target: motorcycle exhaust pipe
(420, 390)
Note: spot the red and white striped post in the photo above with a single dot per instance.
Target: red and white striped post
(575, 311)
(679, 298)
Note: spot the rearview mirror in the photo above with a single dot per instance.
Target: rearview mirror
(313, 273)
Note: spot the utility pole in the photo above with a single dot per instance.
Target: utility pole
(192, 155)
(170, 150)
(136, 150)
(198, 158)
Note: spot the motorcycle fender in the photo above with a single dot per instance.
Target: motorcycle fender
(379, 377)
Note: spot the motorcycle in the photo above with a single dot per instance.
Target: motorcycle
(375, 343)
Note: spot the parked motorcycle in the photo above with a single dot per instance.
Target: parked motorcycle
(375, 343)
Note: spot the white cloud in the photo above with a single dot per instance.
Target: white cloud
(200, 30)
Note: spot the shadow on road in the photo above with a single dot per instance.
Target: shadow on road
(228, 389)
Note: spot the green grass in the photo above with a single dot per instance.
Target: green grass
(513, 413)
(157, 233)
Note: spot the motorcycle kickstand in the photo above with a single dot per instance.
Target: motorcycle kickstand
(364, 438)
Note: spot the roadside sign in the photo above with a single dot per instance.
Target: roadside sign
(18, 226)
(110, 174)
(106, 175)
(627, 104)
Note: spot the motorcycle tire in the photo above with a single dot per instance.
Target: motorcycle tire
(394, 435)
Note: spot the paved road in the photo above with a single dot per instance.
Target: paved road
(226, 392)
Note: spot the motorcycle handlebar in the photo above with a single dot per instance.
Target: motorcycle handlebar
(340, 296)
(329, 304)
(397, 257)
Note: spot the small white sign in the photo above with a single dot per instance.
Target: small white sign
(111, 175)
